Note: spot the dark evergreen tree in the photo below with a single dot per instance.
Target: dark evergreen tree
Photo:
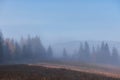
(6, 50)
(93, 55)
(104, 55)
(49, 53)
(65, 54)
(18, 51)
(81, 53)
(115, 56)
(98, 54)
(38, 48)
(25, 53)
(29, 47)
(1, 47)
(86, 52)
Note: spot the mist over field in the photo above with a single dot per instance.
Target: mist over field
(94, 60)
(59, 40)
(31, 50)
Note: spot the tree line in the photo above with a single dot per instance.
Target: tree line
(32, 49)
(102, 54)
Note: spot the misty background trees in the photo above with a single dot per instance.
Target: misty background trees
(32, 49)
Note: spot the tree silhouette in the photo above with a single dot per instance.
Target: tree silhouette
(115, 56)
(65, 54)
(86, 52)
(93, 55)
(50, 52)
(81, 52)
(1, 47)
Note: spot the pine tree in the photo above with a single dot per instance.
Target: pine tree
(1, 47)
(6, 50)
(50, 52)
(115, 56)
(105, 53)
(93, 55)
(65, 54)
(38, 48)
(18, 51)
(86, 52)
(81, 53)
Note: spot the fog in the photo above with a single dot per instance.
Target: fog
(79, 31)
(31, 50)
(61, 21)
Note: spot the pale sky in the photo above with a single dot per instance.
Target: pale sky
(61, 20)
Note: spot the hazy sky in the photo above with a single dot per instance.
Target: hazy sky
(61, 20)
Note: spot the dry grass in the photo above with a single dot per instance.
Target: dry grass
(25, 72)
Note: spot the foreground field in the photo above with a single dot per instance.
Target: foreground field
(30, 72)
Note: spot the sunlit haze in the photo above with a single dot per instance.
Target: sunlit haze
(63, 20)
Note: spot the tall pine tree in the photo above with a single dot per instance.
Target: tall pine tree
(1, 47)
(49, 52)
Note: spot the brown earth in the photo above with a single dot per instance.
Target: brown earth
(52, 72)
